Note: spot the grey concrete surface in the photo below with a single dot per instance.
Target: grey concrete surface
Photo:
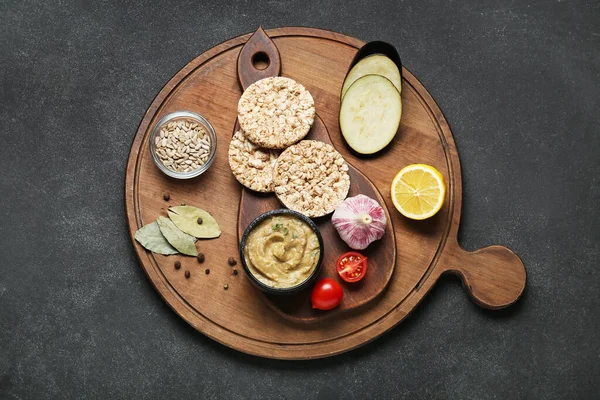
(519, 83)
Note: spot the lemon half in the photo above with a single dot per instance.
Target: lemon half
(418, 191)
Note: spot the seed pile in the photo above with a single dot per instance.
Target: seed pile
(182, 146)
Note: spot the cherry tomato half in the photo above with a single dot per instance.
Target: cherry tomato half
(326, 294)
(352, 266)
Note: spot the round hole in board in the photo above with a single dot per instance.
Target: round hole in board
(260, 60)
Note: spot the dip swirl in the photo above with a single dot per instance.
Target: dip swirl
(282, 251)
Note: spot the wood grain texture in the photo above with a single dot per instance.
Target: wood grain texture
(238, 317)
(259, 58)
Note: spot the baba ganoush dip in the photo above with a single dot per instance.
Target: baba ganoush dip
(282, 251)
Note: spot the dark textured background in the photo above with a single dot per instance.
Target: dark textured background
(519, 83)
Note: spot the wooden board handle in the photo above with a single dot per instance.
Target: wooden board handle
(493, 276)
(258, 59)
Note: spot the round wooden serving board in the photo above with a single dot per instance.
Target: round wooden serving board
(239, 317)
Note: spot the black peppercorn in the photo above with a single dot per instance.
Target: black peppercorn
(167, 196)
(207, 271)
(187, 274)
(232, 261)
(177, 265)
(200, 257)
(199, 221)
(235, 271)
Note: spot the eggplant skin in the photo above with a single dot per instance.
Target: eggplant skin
(375, 64)
(377, 47)
(370, 114)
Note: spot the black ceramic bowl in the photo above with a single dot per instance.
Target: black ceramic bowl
(281, 291)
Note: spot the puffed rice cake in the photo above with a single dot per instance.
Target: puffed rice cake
(251, 165)
(276, 112)
(311, 177)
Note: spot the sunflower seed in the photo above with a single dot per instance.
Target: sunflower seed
(182, 145)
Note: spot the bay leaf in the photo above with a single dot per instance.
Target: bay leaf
(152, 239)
(186, 219)
(178, 239)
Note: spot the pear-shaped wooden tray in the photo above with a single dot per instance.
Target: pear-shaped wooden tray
(259, 58)
(239, 317)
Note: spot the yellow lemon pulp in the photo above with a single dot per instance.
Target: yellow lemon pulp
(418, 191)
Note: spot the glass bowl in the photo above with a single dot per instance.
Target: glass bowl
(187, 116)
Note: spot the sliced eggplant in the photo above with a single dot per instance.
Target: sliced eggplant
(376, 64)
(370, 114)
